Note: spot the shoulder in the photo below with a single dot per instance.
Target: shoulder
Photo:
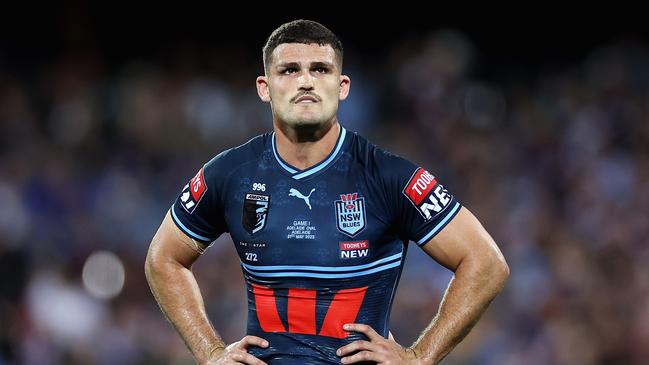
(229, 160)
(217, 171)
(380, 162)
(249, 151)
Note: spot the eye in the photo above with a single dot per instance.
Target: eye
(321, 70)
(289, 70)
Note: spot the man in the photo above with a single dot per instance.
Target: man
(320, 219)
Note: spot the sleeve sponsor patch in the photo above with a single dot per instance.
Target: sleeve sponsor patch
(193, 192)
(426, 194)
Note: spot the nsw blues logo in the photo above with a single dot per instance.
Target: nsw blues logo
(255, 212)
(350, 214)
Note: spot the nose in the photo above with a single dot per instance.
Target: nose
(305, 81)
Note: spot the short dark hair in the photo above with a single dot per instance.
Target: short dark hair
(302, 31)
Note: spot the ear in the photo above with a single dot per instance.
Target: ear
(345, 84)
(262, 88)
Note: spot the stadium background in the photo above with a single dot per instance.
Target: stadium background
(540, 127)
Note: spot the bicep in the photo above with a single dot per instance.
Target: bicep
(171, 245)
(464, 237)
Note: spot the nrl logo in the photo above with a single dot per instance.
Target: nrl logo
(255, 212)
(350, 214)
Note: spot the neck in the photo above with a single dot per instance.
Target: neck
(305, 146)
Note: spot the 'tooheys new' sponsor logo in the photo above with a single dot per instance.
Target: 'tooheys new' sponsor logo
(194, 191)
(425, 193)
(354, 249)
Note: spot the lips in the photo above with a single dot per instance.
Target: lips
(306, 99)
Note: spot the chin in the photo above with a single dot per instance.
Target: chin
(306, 120)
(308, 123)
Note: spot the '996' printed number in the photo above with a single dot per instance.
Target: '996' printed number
(259, 187)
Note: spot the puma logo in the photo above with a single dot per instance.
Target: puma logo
(295, 192)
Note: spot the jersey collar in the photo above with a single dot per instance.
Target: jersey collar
(302, 174)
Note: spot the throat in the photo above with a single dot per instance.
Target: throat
(305, 133)
(303, 147)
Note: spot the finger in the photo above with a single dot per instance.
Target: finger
(362, 356)
(356, 346)
(364, 329)
(248, 341)
(245, 358)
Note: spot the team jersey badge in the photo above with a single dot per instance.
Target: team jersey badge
(255, 212)
(350, 214)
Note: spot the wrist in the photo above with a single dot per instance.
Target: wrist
(417, 357)
(214, 353)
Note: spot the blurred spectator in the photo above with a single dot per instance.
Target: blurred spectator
(557, 169)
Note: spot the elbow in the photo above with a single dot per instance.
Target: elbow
(499, 271)
(504, 271)
(150, 266)
(490, 269)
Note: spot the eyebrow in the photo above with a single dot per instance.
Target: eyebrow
(312, 65)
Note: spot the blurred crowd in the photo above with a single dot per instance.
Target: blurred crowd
(554, 162)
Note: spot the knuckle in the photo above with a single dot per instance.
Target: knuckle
(246, 357)
(251, 358)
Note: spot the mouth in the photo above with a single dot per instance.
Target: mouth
(306, 99)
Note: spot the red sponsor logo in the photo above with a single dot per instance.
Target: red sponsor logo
(420, 184)
(353, 245)
(301, 311)
(354, 249)
(197, 185)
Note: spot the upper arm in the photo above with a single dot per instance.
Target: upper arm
(194, 220)
(426, 213)
(463, 238)
(171, 245)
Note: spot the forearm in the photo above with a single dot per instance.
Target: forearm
(469, 293)
(175, 288)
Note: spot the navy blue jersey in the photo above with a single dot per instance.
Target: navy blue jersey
(319, 247)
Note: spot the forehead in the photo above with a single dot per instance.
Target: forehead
(301, 53)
